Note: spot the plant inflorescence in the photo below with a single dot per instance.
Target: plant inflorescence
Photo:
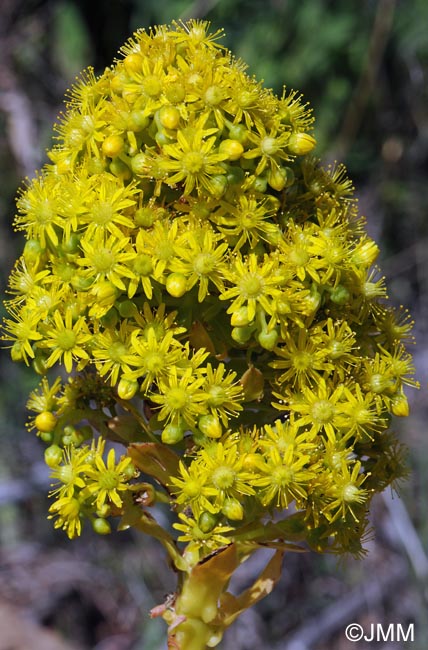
(209, 291)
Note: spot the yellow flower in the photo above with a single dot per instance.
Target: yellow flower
(248, 221)
(361, 412)
(107, 207)
(296, 253)
(270, 147)
(202, 261)
(110, 349)
(284, 478)
(161, 245)
(38, 211)
(67, 509)
(66, 340)
(190, 487)
(254, 283)
(23, 330)
(180, 396)
(72, 471)
(106, 259)
(151, 357)
(319, 408)
(225, 472)
(107, 480)
(206, 542)
(44, 398)
(346, 492)
(301, 359)
(193, 159)
(223, 394)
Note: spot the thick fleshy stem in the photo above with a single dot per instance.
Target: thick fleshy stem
(203, 609)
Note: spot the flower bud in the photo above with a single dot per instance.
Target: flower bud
(169, 117)
(32, 251)
(232, 149)
(45, 421)
(145, 217)
(238, 132)
(127, 308)
(139, 164)
(53, 455)
(133, 63)
(218, 185)
(277, 178)
(210, 426)
(176, 285)
(242, 334)
(172, 434)
(235, 175)
(112, 146)
(340, 295)
(233, 509)
(16, 352)
(126, 388)
(120, 169)
(207, 521)
(301, 143)
(137, 121)
(268, 340)
(239, 318)
(101, 526)
(400, 405)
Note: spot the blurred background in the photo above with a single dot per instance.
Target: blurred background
(363, 66)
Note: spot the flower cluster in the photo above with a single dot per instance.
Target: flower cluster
(87, 485)
(209, 289)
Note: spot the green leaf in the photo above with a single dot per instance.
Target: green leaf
(154, 459)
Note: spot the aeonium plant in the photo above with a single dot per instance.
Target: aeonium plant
(206, 292)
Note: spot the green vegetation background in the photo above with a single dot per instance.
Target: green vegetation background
(363, 66)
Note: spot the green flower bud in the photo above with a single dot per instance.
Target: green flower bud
(238, 132)
(126, 388)
(101, 526)
(207, 521)
(239, 318)
(120, 169)
(301, 143)
(242, 334)
(32, 251)
(233, 509)
(218, 185)
(139, 164)
(127, 308)
(53, 455)
(210, 426)
(173, 433)
(260, 184)
(340, 295)
(268, 340)
(137, 121)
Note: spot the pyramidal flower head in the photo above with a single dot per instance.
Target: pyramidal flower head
(207, 287)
